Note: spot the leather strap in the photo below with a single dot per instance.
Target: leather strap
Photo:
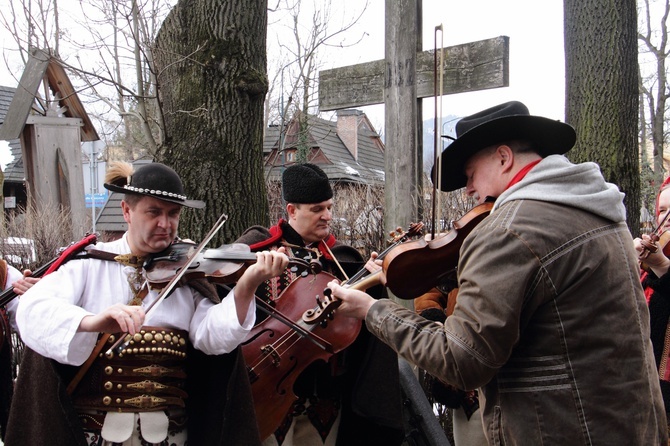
(87, 365)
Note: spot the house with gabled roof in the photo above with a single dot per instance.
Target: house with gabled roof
(14, 181)
(349, 150)
(47, 117)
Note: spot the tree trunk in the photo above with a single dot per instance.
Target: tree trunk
(211, 67)
(602, 91)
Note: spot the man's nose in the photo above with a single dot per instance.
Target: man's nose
(163, 221)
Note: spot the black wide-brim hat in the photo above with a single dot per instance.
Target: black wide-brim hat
(504, 122)
(159, 181)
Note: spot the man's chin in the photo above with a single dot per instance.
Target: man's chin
(160, 245)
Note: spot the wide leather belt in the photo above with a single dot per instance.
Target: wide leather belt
(148, 371)
(148, 381)
(155, 340)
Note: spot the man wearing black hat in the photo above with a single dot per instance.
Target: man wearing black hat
(550, 322)
(344, 401)
(139, 393)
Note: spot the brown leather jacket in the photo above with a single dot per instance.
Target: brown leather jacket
(551, 324)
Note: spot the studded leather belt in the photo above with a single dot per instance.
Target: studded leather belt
(150, 380)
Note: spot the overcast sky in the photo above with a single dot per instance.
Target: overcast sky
(535, 29)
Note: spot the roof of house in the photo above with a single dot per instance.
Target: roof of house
(14, 170)
(41, 66)
(17, 104)
(330, 152)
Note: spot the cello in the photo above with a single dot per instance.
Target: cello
(276, 353)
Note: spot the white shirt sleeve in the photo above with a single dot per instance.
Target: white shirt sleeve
(13, 275)
(48, 316)
(218, 331)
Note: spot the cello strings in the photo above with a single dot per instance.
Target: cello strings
(277, 345)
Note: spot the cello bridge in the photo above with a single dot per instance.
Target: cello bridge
(270, 350)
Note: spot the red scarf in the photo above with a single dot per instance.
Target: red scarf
(522, 173)
(276, 234)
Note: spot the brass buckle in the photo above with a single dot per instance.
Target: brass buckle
(152, 370)
(147, 386)
(145, 402)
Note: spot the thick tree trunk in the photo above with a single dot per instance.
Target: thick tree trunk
(211, 67)
(602, 91)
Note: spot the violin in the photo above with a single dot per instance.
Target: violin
(276, 353)
(659, 240)
(224, 265)
(64, 254)
(9, 294)
(415, 267)
(182, 262)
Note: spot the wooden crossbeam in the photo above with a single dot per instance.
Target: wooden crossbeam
(473, 66)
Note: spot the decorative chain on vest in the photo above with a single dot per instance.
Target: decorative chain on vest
(136, 280)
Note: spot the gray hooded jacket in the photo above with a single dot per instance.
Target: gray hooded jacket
(550, 323)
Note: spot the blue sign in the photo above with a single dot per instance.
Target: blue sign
(97, 200)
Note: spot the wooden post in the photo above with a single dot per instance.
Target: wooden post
(400, 124)
(400, 81)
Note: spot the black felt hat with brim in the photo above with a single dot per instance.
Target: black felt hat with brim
(504, 122)
(158, 181)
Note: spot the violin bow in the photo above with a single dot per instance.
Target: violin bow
(273, 312)
(121, 343)
(437, 129)
(661, 224)
(655, 236)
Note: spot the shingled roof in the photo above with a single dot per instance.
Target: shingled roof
(362, 164)
(327, 148)
(14, 170)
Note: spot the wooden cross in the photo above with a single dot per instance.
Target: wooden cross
(400, 81)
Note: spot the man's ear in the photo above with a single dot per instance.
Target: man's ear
(125, 209)
(290, 210)
(505, 157)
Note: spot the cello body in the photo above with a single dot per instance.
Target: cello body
(275, 354)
